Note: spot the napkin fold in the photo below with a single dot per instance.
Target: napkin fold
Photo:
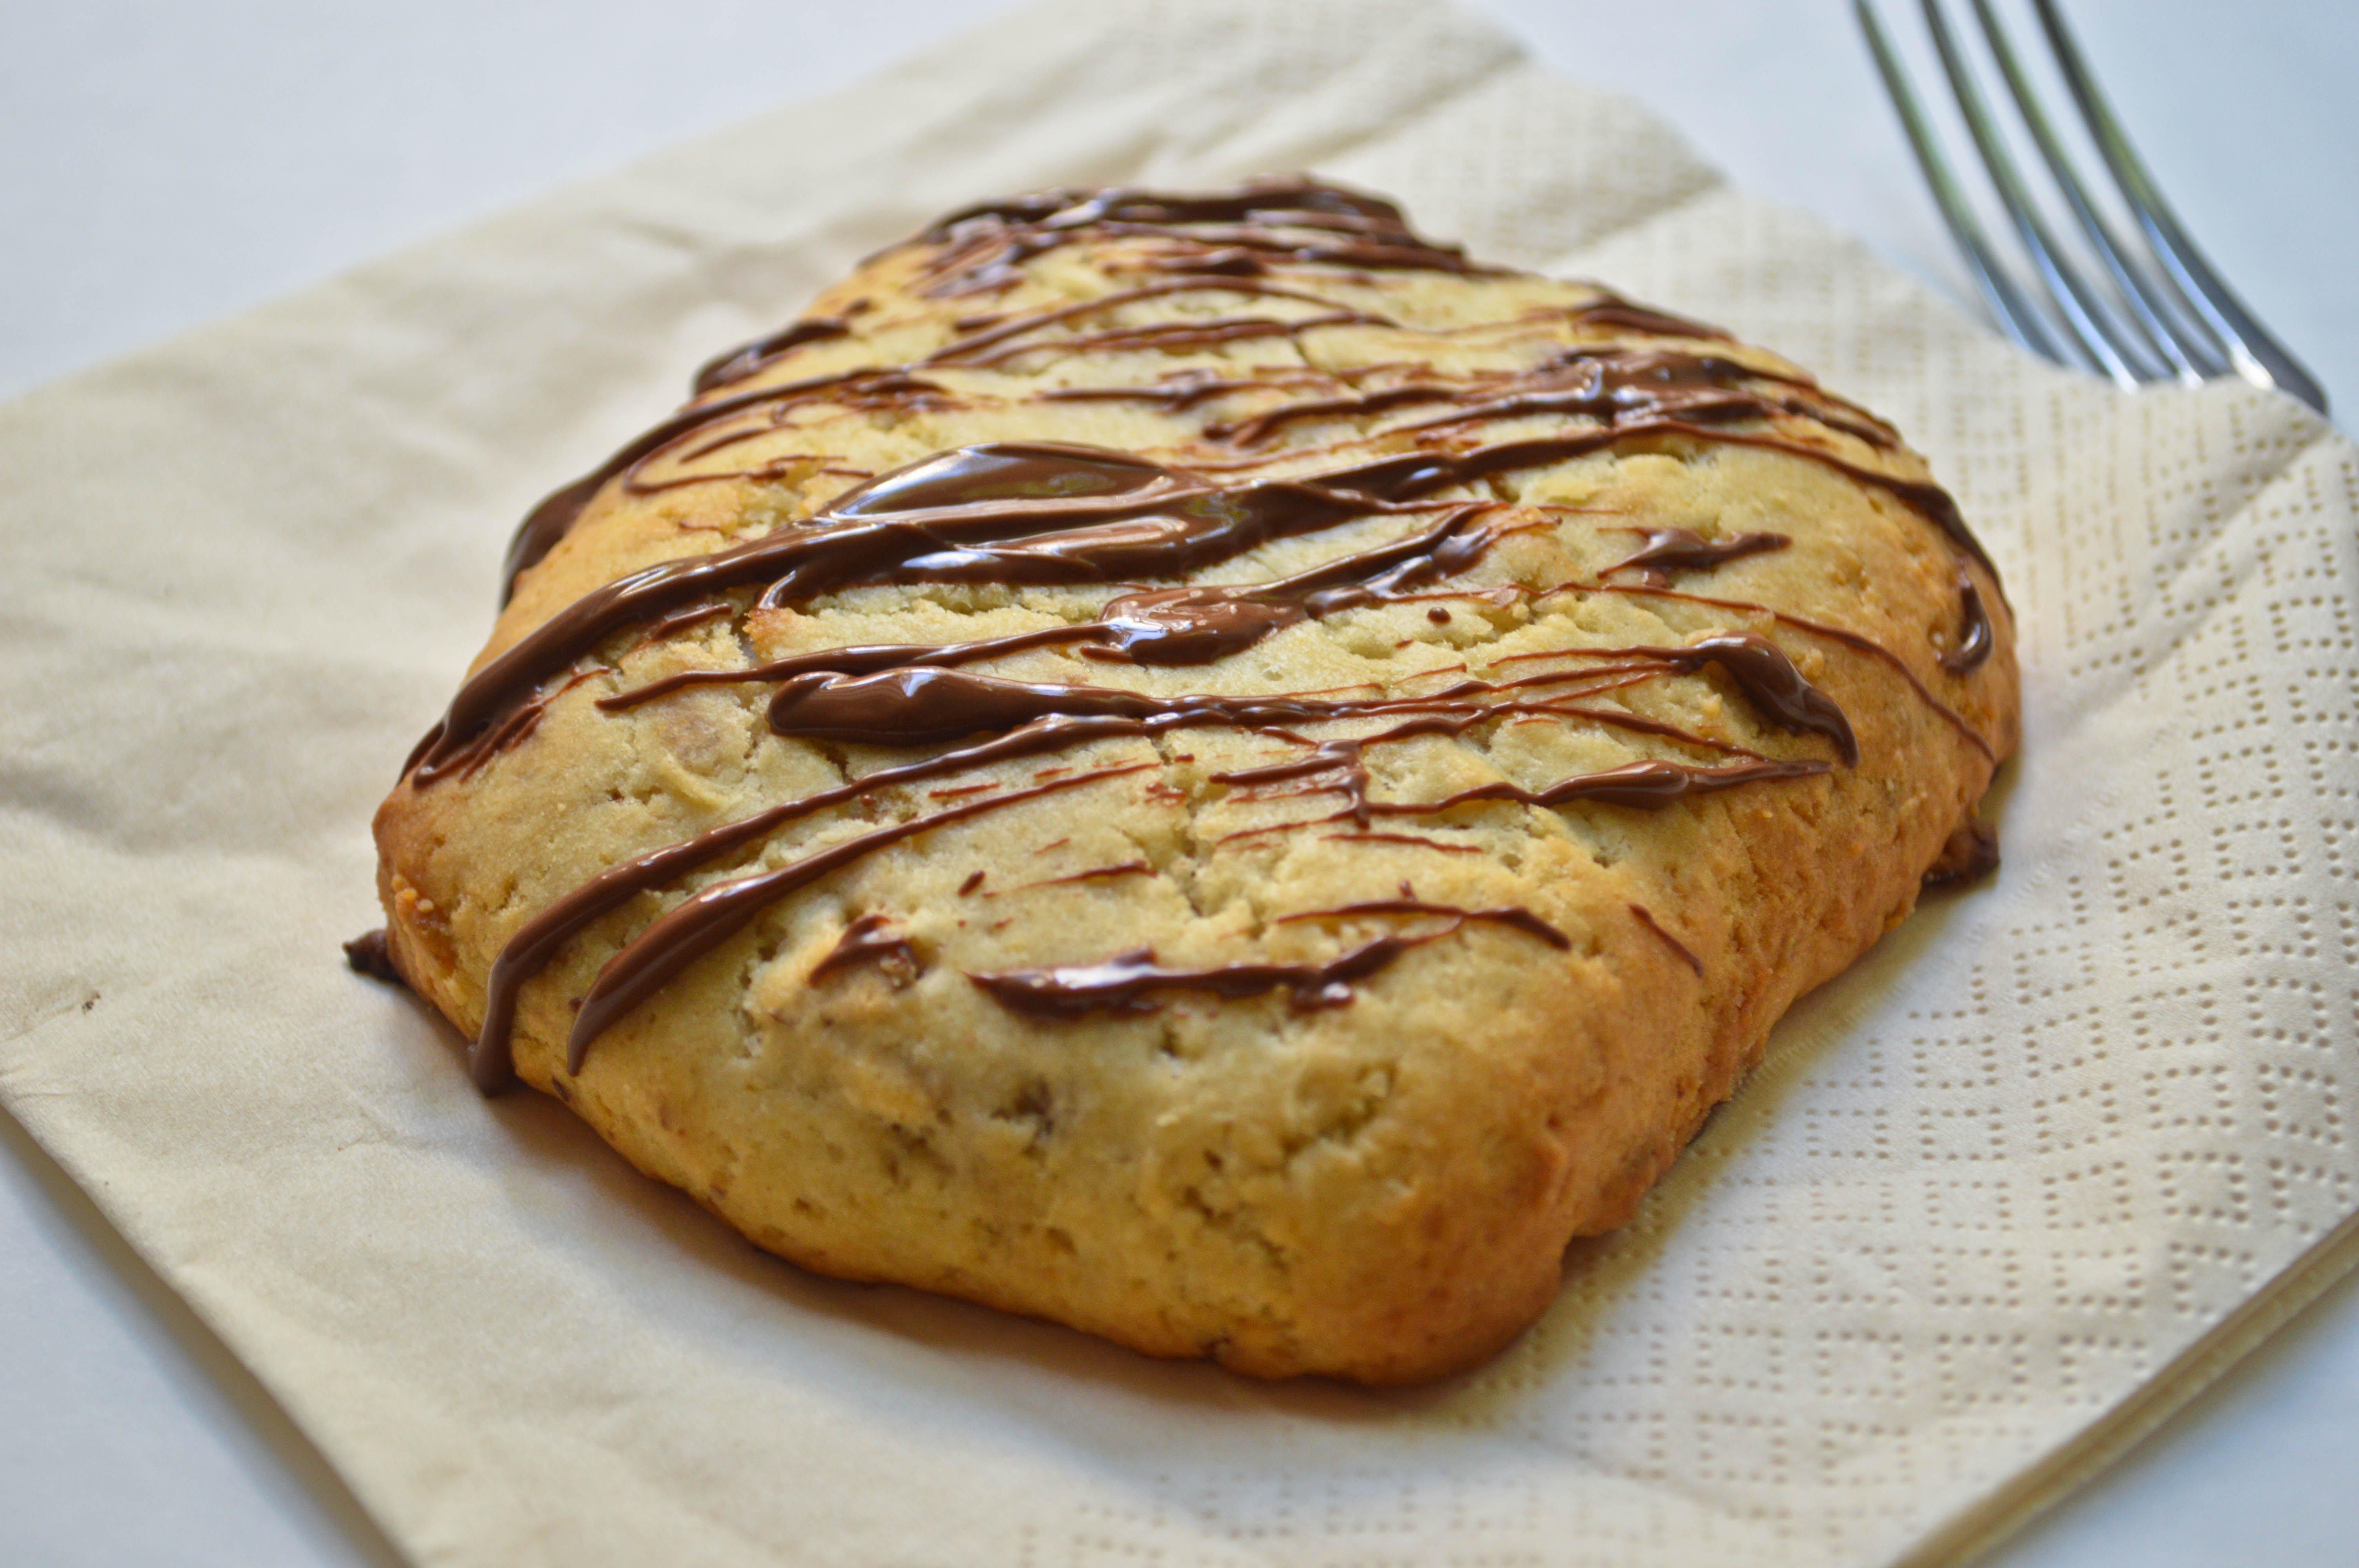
(2001, 1197)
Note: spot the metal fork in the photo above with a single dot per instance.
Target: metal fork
(2164, 315)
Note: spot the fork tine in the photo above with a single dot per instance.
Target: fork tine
(2085, 316)
(2015, 313)
(2256, 356)
(2198, 356)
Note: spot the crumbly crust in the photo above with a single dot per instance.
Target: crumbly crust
(1374, 1178)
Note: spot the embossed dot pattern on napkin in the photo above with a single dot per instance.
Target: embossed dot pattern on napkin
(2000, 1198)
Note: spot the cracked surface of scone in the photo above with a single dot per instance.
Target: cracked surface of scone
(1300, 802)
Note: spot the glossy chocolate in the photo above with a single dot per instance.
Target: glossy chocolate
(1668, 550)
(1129, 983)
(752, 359)
(870, 940)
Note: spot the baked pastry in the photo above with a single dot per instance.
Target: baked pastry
(1201, 766)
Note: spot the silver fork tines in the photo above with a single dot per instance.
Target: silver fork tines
(2157, 311)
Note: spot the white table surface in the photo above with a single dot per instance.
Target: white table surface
(163, 165)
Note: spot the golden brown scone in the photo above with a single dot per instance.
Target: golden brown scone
(1280, 970)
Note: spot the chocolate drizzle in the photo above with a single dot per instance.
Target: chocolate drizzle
(712, 914)
(1028, 512)
(1686, 954)
(541, 937)
(1975, 638)
(753, 358)
(1519, 918)
(870, 940)
(1128, 982)
(1263, 223)
(1668, 550)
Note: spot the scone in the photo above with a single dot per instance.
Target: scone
(1201, 766)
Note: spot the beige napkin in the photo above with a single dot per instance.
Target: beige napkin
(2002, 1196)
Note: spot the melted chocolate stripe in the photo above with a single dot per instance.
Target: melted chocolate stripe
(541, 940)
(966, 348)
(1254, 431)
(1687, 954)
(1199, 625)
(1405, 472)
(1341, 760)
(1316, 203)
(709, 916)
(1217, 246)
(915, 704)
(750, 359)
(1516, 915)
(989, 241)
(867, 940)
(1975, 635)
(1164, 336)
(1684, 549)
(865, 659)
(1159, 626)
(1095, 874)
(555, 514)
(1613, 311)
(1771, 684)
(1604, 383)
(1183, 390)
(1647, 786)
(1124, 983)
(1852, 640)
